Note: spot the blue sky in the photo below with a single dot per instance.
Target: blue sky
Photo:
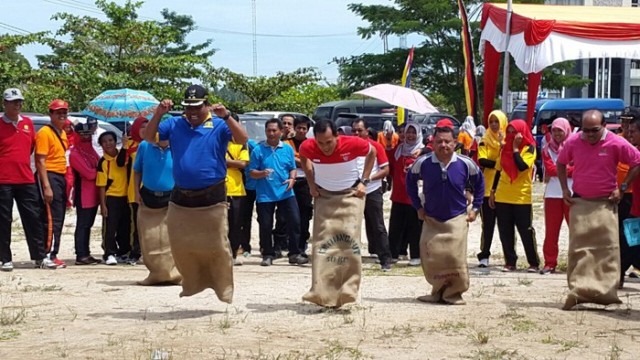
(235, 51)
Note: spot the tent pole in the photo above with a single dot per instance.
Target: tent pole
(609, 81)
(596, 85)
(505, 72)
(604, 68)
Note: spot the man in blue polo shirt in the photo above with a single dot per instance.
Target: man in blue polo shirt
(197, 215)
(273, 165)
(446, 176)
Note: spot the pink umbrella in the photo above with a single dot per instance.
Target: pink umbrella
(400, 96)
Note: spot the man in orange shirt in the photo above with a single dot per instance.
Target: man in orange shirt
(51, 163)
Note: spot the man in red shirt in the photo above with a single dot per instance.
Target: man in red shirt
(17, 141)
(330, 164)
(373, 214)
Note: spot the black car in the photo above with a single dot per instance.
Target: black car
(428, 122)
(374, 121)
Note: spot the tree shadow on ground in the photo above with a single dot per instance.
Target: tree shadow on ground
(405, 300)
(156, 315)
(118, 283)
(303, 308)
(623, 311)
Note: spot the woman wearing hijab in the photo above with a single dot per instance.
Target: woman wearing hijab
(466, 135)
(404, 226)
(488, 156)
(555, 209)
(473, 152)
(388, 137)
(345, 130)
(511, 195)
(71, 137)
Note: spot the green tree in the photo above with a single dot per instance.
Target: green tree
(14, 67)
(121, 52)
(296, 91)
(438, 67)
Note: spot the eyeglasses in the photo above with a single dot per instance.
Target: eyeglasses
(591, 131)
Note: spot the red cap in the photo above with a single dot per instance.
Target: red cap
(444, 123)
(58, 104)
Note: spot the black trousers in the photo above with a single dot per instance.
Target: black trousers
(518, 216)
(279, 233)
(628, 255)
(53, 214)
(85, 218)
(134, 240)
(374, 225)
(234, 218)
(247, 219)
(27, 198)
(404, 230)
(488, 216)
(115, 227)
(305, 206)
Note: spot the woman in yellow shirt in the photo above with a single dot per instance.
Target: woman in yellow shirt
(488, 155)
(511, 195)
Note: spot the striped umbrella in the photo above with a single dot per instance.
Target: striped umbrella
(121, 105)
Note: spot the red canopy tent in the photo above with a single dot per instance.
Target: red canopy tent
(542, 35)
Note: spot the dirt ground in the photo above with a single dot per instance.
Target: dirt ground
(97, 312)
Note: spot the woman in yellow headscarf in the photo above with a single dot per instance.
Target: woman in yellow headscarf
(488, 154)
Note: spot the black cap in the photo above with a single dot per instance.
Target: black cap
(83, 129)
(195, 95)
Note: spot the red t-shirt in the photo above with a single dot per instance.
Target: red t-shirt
(398, 169)
(338, 171)
(16, 145)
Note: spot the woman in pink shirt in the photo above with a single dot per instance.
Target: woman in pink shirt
(84, 162)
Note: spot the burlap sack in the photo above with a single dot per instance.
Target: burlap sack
(443, 254)
(201, 250)
(336, 265)
(155, 247)
(593, 270)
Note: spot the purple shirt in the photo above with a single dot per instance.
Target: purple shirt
(444, 186)
(595, 166)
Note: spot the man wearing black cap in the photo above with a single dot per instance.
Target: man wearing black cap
(197, 215)
(17, 141)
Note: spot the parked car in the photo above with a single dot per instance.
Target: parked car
(428, 122)
(375, 121)
(333, 109)
(40, 121)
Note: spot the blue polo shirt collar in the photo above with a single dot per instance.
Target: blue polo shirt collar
(280, 144)
(209, 118)
(434, 159)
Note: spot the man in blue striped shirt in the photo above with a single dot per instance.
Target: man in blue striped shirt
(446, 176)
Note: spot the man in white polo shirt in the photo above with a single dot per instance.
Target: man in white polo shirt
(330, 163)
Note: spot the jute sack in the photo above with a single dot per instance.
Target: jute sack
(593, 270)
(201, 250)
(336, 264)
(155, 247)
(443, 254)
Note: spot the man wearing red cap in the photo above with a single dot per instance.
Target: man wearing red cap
(51, 163)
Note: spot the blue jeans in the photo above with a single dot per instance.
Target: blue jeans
(265, 212)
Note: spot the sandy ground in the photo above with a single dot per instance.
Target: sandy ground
(98, 312)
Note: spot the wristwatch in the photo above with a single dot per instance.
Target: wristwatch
(366, 181)
(226, 117)
(624, 187)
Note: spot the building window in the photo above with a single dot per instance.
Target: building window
(635, 96)
(635, 64)
(634, 3)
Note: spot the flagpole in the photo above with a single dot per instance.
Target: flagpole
(505, 73)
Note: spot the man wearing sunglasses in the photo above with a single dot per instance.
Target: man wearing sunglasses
(594, 252)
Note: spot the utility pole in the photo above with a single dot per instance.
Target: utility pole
(255, 38)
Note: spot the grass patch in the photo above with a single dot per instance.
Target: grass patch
(9, 334)
(565, 345)
(401, 331)
(493, 354)
(12, 315)
(479, 337)
(334, 349)
(41, 288)
(449, 327)
(525, 282)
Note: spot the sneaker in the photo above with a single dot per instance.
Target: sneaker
(111, 260)
(634, 273)
(484, 263)
(122, 259)
(533, 269)
(8, 266)
(403, 257)
(385, 267)
(238, 261)
(132, 261)
(246, 254)
(547, 270)
(415, 262)
(508, 268)
(59, 263)
(46, 263)
(266, 261)
(303, 259)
